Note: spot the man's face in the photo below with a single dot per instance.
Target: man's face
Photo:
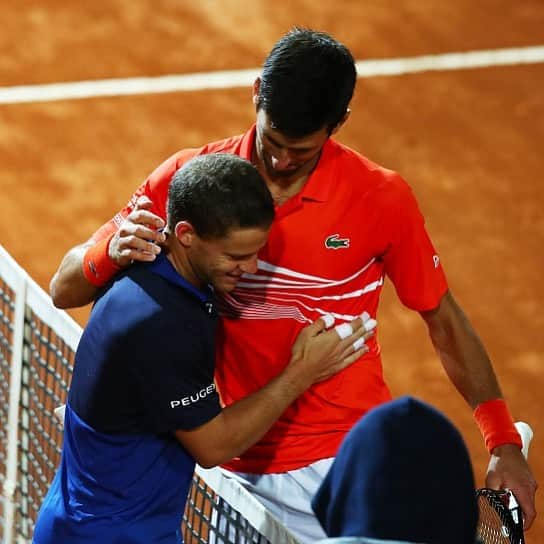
(222, 261)
(284, 157)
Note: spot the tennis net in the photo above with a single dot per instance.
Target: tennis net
(220, 511)
(37, 348)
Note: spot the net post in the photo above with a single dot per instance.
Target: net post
(19, 284)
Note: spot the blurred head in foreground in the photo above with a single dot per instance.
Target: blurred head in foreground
(403, 473)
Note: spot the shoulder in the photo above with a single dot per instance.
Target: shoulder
(134, 298)
(361, 175)
(351, 161)
(159, 179)
(178, 159)
(141, 312)
(227, 145)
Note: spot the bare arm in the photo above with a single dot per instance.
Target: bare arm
(136, 240)
(316, 355)
(69, 288)
(462, 353)
(467, 364)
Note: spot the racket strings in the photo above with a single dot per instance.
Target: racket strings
(496, 524)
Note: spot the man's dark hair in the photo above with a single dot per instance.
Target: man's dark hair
(307, 83)
(218, 192)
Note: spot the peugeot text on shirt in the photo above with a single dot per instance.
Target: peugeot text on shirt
(186, 401)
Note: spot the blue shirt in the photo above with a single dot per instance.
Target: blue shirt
(144, 368)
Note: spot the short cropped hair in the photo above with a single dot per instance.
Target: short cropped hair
(307, 83)
(218, 192)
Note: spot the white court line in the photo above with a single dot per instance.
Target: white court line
(244, 78)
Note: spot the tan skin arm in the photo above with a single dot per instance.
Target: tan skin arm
(136, 240)
(315, 356)
(468, 366)
(69, 288)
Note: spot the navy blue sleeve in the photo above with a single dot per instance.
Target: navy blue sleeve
(145, 362)
(174, 369)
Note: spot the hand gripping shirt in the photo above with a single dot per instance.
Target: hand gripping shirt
(144, 368)
(329, 250)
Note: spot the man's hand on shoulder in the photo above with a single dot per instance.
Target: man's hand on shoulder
(138, 237)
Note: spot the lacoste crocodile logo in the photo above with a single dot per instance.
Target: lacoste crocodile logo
(334, 242)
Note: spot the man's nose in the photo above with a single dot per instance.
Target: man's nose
(249, 266)
(281, 160)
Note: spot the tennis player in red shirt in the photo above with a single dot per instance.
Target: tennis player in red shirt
(343, 224)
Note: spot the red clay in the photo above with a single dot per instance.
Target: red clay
(469, 142)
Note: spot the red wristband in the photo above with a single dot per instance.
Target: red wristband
(98, 268)
(496, 424)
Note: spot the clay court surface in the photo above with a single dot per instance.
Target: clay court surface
(469, 141)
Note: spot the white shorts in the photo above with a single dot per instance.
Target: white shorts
(288, 495)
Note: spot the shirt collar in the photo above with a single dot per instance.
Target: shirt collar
(319, 185)
(248, 141)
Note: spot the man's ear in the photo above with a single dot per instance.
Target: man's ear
(256, 88)
(342, 121)
(185, 233)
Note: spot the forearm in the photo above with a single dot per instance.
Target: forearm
(469, 368)
(316, 355)
(462, 353)
(69, 288)
(244, 422)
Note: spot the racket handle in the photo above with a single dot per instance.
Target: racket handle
(526, 434)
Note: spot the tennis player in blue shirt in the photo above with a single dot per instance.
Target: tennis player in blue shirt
(142, 406)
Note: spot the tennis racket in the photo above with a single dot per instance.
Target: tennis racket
(500, 519)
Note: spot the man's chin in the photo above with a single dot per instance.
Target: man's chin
(273, 173)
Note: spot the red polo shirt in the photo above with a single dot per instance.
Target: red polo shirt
(329, 250)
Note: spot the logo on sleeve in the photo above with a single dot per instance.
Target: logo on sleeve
(92, 269)
(195, 397)
(436, 260)
(335, 242)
